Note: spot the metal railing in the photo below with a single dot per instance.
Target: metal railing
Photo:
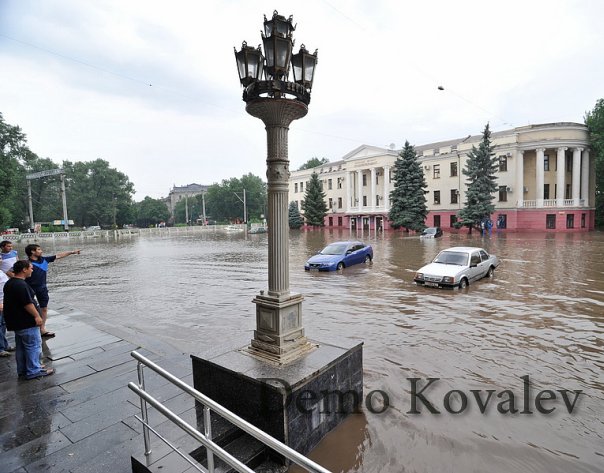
(205, 438)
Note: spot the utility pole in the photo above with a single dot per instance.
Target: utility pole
(114, 211)
(203, 207)
(186, 209)
(244, 205)
(65, 221)
(31, 207)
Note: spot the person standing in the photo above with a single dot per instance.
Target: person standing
(37, 279)
(5, 348)
(23, 317)
(8, 257)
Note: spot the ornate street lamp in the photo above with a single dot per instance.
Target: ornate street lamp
(279, 334)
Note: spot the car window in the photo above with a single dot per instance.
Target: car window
(452, 257)
(334, 249)
(483, 255)
(475, 258)
(358, 247)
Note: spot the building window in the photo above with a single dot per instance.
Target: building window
(550, 221)
(437, 197)
(502, 221)
(364, 201)
(364, 179)
(339, 202)
(582, 220)
(454, 196)
(452, 220)
(567, 192)
(546, 191)
(296, 187)
(377, 177)
(436, 171)
(340, 182)
(453, 169)
(546, 162)
(329, 184)
(330, 203)
(437, 220)
(301, 187)
(569, 163)
(339, 221)
(331, 221)
(570, 220)
(503, 163)
(503, 194)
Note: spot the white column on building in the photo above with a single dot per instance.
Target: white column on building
(576, 179)
(349, 193)
(520, 177)
(386, 188)
(560, 171)
(360, 189)
(585, 178)
(539, 181)
(372, 203)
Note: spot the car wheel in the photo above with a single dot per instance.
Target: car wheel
(340, 266)
(367, 259)
(490, 272)
(463, 283)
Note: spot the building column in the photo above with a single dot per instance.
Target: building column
(349, 193)
(520, 177)
(576, 178)
(560, 171)
(386, 188)
(540, 177)
(585, 178)
(372, 203)
(359, 189)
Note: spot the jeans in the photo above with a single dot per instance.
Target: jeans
(28, 343)
(3, 341)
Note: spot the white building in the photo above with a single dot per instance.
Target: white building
(546, 181)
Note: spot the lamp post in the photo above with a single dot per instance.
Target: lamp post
(279, 334)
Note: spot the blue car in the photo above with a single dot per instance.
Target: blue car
(340, 255)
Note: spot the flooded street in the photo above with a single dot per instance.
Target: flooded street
(541, 317)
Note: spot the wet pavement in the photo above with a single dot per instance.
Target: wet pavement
(81, 419)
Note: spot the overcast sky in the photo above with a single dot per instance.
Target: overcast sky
(152, 87)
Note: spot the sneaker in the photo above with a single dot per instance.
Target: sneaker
(11, 349)
(4, 354)
(46, 372)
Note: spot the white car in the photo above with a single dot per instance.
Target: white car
(457, 267)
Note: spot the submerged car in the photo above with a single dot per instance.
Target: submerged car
(432, 232)
(340, 255)
(457, 267)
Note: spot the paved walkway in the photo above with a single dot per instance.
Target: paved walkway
(81, 419)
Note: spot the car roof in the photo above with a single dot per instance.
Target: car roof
(464, 249)
(348, 242)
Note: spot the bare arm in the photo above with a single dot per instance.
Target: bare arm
(31, 309)
(67, 253)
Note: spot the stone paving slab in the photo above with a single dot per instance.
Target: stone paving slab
(81, 419)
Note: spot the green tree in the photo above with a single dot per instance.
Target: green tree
(595, 124)
(313, 163)
(480, 169)
(224, 201)
(151, 212)
(314, 205)
(408, 202)
(295, 219)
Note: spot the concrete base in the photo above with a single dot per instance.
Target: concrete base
(297, 403)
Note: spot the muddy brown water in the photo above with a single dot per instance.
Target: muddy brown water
(540, 319)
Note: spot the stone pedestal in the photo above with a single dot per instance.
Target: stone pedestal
(298, 403)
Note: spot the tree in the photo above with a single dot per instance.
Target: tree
(295, 219)
(480, 169)
(223, 200)
(408, 202)
(313, 163)
(151, 212)
(314, 205)
(595, 124)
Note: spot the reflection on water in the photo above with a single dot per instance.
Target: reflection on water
(542, 316)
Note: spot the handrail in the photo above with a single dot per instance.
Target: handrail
(234, 419)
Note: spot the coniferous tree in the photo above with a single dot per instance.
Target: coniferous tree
(595, 124)
(295, 219)
(314, 205)
(408, 201)
(480, 169)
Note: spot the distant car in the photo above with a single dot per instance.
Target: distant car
(432, 232)
(340, 255)
(457, 267)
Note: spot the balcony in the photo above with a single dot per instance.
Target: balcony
(549, 203)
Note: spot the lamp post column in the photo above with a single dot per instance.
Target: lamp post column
(279, 334)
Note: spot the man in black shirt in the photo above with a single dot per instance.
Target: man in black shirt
(21, 313)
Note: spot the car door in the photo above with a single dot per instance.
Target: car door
(349, 255)
(476, 263)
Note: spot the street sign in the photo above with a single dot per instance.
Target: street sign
(50, 172)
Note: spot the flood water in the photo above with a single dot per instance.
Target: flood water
(542, 316)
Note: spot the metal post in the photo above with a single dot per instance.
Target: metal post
(31, 208)
(207, 430)
(186, 209)
(203, 205)
(144, 415)
(65, 220)
(244, 208)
